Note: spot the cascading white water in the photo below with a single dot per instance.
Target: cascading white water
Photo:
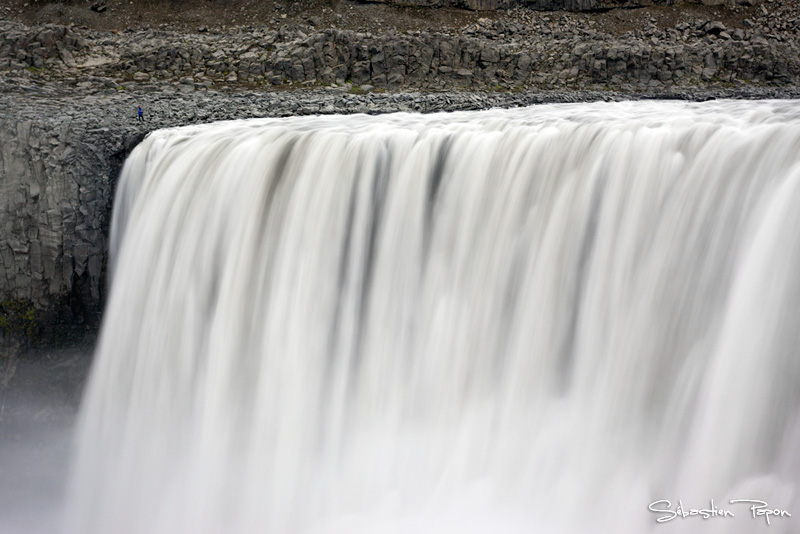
(537, 320)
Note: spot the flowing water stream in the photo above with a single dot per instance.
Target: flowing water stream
(538, 320)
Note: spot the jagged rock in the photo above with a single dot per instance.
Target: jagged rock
(549, 5)
(475, 5)
(714, 28)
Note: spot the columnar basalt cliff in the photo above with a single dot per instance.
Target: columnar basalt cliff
(56, 179)
(542, 54)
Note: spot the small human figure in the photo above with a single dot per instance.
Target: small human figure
(141, 114)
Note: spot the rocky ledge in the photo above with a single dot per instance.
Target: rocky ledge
(522, 50)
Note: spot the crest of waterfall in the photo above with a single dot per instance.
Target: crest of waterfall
(511, 321)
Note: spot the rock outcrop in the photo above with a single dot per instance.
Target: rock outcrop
(56, 181)
(557, 5)
(522, 53)
(521, 50)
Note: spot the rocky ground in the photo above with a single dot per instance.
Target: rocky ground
(379, 47)
(219, 15)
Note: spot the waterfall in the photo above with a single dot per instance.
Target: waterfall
(513, 321)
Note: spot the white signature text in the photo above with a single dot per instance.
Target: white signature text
(756, 508)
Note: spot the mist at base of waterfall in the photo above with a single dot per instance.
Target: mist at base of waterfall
(34, 473)
(532, 320)
(38, 409)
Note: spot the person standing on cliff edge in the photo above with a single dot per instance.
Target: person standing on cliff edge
(140, 114)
